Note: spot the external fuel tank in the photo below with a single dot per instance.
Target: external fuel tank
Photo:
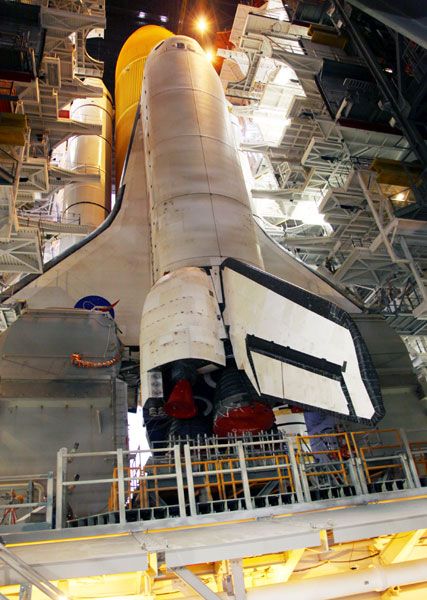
(129, 70)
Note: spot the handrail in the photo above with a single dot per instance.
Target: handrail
(277, 468)
(221, 471)
(11, 512)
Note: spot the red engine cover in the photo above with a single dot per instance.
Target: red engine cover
(180, 404)
(251, 418)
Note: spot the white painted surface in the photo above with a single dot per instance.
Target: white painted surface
(255, 310)
(200, 209)
(180, 320)
(298, 385)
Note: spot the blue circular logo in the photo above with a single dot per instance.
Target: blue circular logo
(95, 302)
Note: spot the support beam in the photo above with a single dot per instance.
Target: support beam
(195, 583)
(349, 583)
(121, 486)
(294, 556)
(400, 546)
(29, 574)
(236, 570)
(396, 17)
(25, 591)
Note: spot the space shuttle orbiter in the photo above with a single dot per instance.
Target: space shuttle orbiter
(219, 335)
(213, 307)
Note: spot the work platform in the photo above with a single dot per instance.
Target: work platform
(245, 511)
(210, 476)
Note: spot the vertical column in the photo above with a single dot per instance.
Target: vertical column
(294, 468)
(245, 479)
(61, 473)
(238, 579)
(121, 486)
(49, 499)
(411, 463)
(179, 480)
(190, 480)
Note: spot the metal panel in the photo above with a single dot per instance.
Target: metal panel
(181, 319)
(40, 344)
(200, 206)
(316, 336)
(84, 558)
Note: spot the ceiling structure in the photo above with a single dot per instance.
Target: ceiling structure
(335, 145)
(123, 18)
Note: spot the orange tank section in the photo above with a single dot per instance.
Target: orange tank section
(129, 73)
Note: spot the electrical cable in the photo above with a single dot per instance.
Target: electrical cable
(325, 562)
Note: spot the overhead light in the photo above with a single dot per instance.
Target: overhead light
(164, 18)
(202, 24)
(142, 14)
(210, 55)
(388, 70)
(399, 197)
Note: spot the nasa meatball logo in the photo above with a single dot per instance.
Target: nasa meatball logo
(96, 303)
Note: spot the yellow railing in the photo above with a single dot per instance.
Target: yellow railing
(322, 459)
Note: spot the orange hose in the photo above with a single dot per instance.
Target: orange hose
(78, 361)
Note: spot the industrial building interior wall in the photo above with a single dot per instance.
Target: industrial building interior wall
(45, 69)
(335, 177)
(330, 176)
(81, 272)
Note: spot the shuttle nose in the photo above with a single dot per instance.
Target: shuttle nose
(180, 42)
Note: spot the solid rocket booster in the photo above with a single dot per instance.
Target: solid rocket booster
(222, 342)
(200, 208)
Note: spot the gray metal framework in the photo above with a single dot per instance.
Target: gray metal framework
(31, 176)
(395, 99)
(368, 244)
(227, 537)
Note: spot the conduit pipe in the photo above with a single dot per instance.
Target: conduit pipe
(372, 579)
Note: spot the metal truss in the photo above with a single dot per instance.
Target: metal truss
(397, 104)
(59, 80)
(379, 255)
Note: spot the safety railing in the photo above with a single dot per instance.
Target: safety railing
(387, 458)
(216, 480)
(195, 477)
(26, 502)
(325, 466)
